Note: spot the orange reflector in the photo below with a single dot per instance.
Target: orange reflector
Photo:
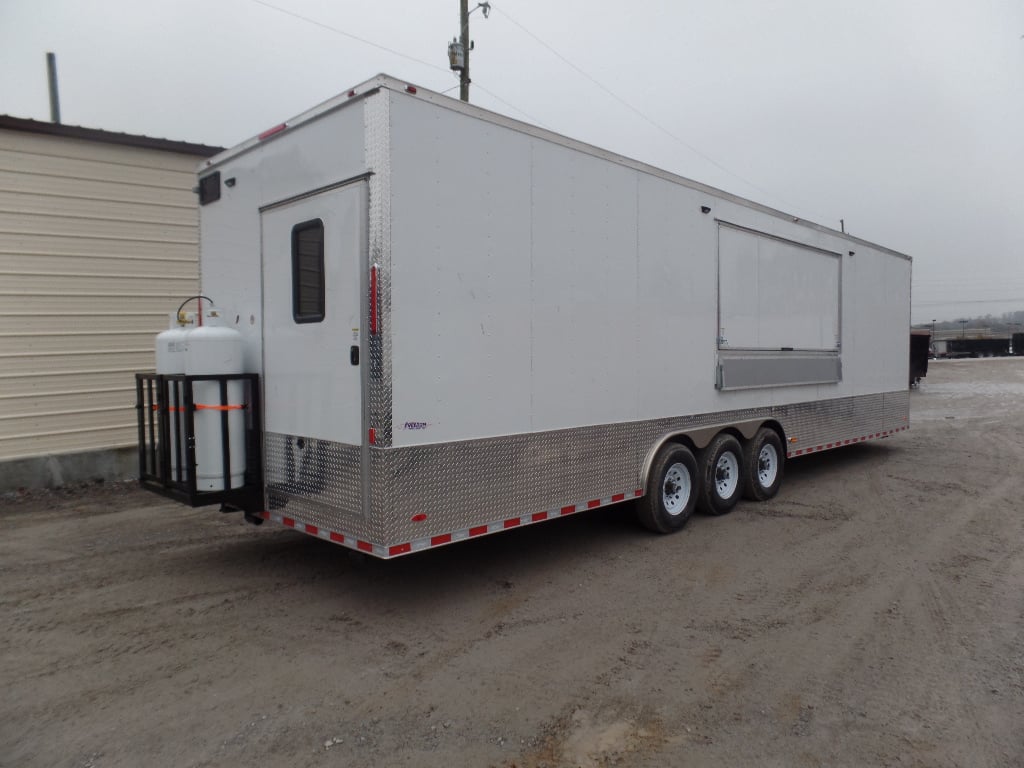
(373, 300)
(271, 131)
(201, 407)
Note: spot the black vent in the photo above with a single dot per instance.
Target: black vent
(209, 188)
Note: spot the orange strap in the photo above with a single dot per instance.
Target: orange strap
(201, 407)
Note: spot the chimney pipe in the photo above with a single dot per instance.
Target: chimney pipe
(51, 69)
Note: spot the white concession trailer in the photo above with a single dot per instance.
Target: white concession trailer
(451, 323)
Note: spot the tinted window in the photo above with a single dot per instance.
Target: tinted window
(308, 271)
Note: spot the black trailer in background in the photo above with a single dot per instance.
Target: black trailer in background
(1018, 343)
(991, 347)
(920, 347)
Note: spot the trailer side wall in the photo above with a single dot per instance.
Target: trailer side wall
(537, 287)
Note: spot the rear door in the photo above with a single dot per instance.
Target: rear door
(313, 249)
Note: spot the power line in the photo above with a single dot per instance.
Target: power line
(511, 106)
(349, 35)
(392, 51)
(644, 116)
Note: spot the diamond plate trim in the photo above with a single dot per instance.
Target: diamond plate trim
(444, 492)
(377, 118)
(317, 481)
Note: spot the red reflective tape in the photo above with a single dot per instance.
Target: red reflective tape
(569, 510)
(288, 521)
(400, 549)
(846, 442)
(337, 537)
(373, 436)
(536, 517)
(480, 530)
(799, 453)
(638, 492)
(444, 538)
(312, 529)
(264, 515)
(365, 546)
(820, 448)
(593, 503)
(618, 497)
(418, 518)
(512, 523)
(201, 407)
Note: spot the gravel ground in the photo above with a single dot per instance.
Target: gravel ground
(871, 614)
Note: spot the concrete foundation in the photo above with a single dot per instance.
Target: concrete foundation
(69, 469)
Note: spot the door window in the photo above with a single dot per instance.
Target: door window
(308, 295)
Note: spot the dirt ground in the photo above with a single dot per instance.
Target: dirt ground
(871, 615)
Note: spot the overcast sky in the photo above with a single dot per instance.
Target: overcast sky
(903, 117)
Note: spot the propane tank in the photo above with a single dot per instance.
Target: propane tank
(213, 348)
(170, 359)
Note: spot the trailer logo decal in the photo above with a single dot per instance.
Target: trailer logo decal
(415, 425)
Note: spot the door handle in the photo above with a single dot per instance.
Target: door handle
(353, 355)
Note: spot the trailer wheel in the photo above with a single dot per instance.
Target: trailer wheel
(763, 460)
(721, 474)
(672, 487)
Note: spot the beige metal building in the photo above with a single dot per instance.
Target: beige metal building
(98, 243)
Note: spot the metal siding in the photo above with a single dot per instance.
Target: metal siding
(290, 164)
(584, 306)
(98, 243)
(622, 280)
(460, 276)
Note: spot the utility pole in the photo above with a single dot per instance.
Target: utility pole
(464, 39)
(459, 48)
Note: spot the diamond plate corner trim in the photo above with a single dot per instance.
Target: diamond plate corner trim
(377, 120)
(316, 481)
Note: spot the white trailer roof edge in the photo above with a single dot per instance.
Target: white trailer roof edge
(387, 82)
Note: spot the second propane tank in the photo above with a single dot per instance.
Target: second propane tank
(214, 348)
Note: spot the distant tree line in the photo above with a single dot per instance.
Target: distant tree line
(1008, 322)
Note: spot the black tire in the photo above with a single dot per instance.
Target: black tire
(762, 472)
(720, 488)
(672, 490)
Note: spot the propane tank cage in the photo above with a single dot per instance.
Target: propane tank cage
(161, 397)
